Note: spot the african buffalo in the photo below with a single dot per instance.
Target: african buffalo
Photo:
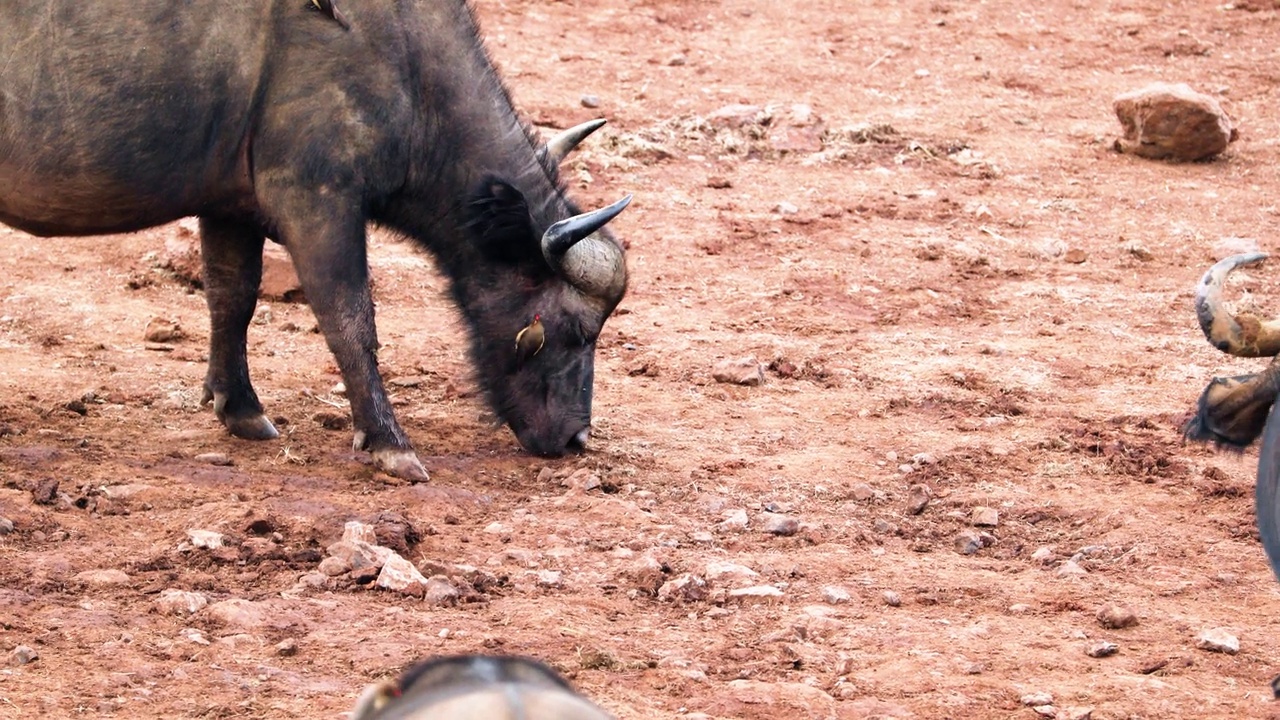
(474, 687)
(301, 123)
(1234, 411)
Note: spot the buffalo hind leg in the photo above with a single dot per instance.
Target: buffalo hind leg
(232, 255)
(327, 245)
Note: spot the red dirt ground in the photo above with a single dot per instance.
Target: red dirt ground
(920, 297)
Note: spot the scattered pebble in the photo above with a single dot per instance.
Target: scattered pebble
(683, 588)
(1045, 711)
(892, 599)
(1218, 640)
(968, 542)
(6, 526)
(1075, 256)
(238, 613)
(1019, 609)
(741, 371)
(1101, 649)
(287, 647)
(835, 595)
(160, 330)
(180, 602)
(1037, 698)
(918, 497)
(400, 575)
(785, 208)
(757, 593)
(727, 573)
(677, 60)
(985, 517)
(23, 655)
(734, 520)
(780, 525)
(1071, 568)
(550, 579)
(590, 101)
(1172, 122)
(1043, 555)
(102, 577)
(214, 458)
(440, 591)
(719, 182)
(333, 566)
(582, 479)
(1115, 617)
(206, 539)
(862, 492)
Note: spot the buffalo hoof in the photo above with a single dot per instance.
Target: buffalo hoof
(257, 427)
(403, 464)
(249, 427)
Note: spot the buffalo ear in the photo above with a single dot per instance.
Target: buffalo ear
(501, 222)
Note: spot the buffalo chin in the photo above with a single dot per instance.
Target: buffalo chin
(1231, 413)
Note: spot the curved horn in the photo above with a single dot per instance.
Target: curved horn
(593, 264)
(559, 147)
(1243, 335)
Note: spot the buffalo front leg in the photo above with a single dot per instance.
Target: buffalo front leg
(232, 255)
(328, 250)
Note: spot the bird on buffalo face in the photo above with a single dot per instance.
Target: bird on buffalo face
(529, 341)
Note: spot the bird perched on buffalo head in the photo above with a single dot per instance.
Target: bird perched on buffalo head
(529, 341)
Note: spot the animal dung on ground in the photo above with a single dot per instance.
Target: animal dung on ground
(1164, 121)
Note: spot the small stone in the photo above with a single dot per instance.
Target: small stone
(734, 520)
(1037, 698)
(1218, 640)
(741, 371)
(1077, 713)
(1045, 711)
(582, 479)
(287, 647)
(884, 527)
(727, 573)
(1043, 555)
(968, 542)
(719, 182)
(835, 595)
(590, 101)
(238, 613)
(355, 531)
(677, 60)
(735, 117)
(985, 517)
(891, 598)
(400, 575)
(1070, 568)
(862, 492)
(907, 468)
(214, 458)
(918, 497)
(683, 588)
(160, 330)
(1115, 617)
(334, 566)
(6, 526)
(360, 554)
(1075, 256)
(440, 591)
(339, 388)
(102, 577)
(1019, 609)
(786, 208)
(550, 579)
(780, 525)
(206, 539)
(180, 602)
(646, 574)
(23, 655)
(757, 593)
(1173, 122)
(1101, 649)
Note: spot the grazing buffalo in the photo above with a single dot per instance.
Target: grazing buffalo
(474, 687)
(303, 123)
(1234, 411)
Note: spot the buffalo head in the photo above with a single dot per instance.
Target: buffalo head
(1235, 411)
(539, 303)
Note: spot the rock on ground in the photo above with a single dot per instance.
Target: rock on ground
(180, 602)
(740, 371)
(1218, 640)
(1163, 121)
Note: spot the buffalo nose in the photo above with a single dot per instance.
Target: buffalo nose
(578, 442)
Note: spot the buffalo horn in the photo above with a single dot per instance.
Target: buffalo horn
(1243, 335)
(592, 264)
(559, 147)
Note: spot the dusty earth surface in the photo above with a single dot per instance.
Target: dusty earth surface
(951, 280)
